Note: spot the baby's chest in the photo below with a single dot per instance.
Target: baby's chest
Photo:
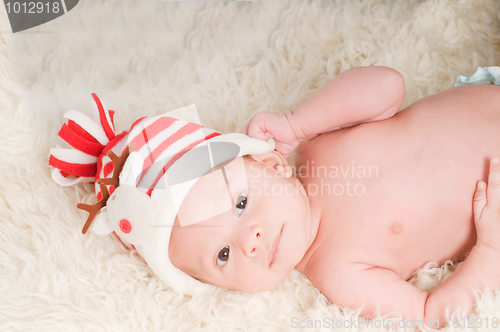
(399, 238)
(388, 216)
(400, 232)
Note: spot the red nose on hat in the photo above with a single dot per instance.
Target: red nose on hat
(125, 226)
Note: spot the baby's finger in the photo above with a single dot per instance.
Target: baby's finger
(479, 201)
(259, 134)
(258, 129)
(493, 191)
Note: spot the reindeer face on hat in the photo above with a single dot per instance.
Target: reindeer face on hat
(142, 177)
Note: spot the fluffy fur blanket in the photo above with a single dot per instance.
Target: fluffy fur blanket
(231, 59)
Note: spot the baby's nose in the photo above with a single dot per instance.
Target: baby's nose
(252, 241)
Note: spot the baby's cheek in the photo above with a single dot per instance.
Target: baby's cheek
(173, 254)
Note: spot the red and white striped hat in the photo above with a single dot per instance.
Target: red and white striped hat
(141, 210)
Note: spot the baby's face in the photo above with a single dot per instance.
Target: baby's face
(235, 249)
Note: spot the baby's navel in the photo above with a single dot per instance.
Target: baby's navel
(396, 228)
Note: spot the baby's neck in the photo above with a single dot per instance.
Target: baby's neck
(313, 227)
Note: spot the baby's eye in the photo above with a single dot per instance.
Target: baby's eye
(241, 203)
(223, 256)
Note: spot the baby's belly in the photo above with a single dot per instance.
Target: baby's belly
(411, 183)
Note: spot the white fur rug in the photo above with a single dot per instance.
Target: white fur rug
(231, 59)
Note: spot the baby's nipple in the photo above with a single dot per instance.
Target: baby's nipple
(396, 228)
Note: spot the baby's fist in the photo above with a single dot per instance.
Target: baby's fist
(264, 125)
(486, 207)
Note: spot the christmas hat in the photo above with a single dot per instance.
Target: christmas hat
(143, 175)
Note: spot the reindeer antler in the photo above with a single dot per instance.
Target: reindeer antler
(94, 209)
(118, 163)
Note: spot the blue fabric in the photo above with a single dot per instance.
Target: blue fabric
(482, 75)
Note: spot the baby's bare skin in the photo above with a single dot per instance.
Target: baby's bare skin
(413, 192)
(413, 200)
(359, 236)
(413, 209)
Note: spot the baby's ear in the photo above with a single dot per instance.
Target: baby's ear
(275, 160)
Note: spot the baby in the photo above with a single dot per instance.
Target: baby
(376, 195)
(369, 205)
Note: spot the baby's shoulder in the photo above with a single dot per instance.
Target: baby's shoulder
(319, 143)
(329, 259)
(332, 278)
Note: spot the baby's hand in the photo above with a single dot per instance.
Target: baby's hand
(263, 125)
(486, 208)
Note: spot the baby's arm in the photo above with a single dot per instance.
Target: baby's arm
(357, 95)
(377, 290)
(359, 284)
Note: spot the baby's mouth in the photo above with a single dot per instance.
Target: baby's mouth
(274, 251)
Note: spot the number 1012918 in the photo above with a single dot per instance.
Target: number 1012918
(32, 7)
